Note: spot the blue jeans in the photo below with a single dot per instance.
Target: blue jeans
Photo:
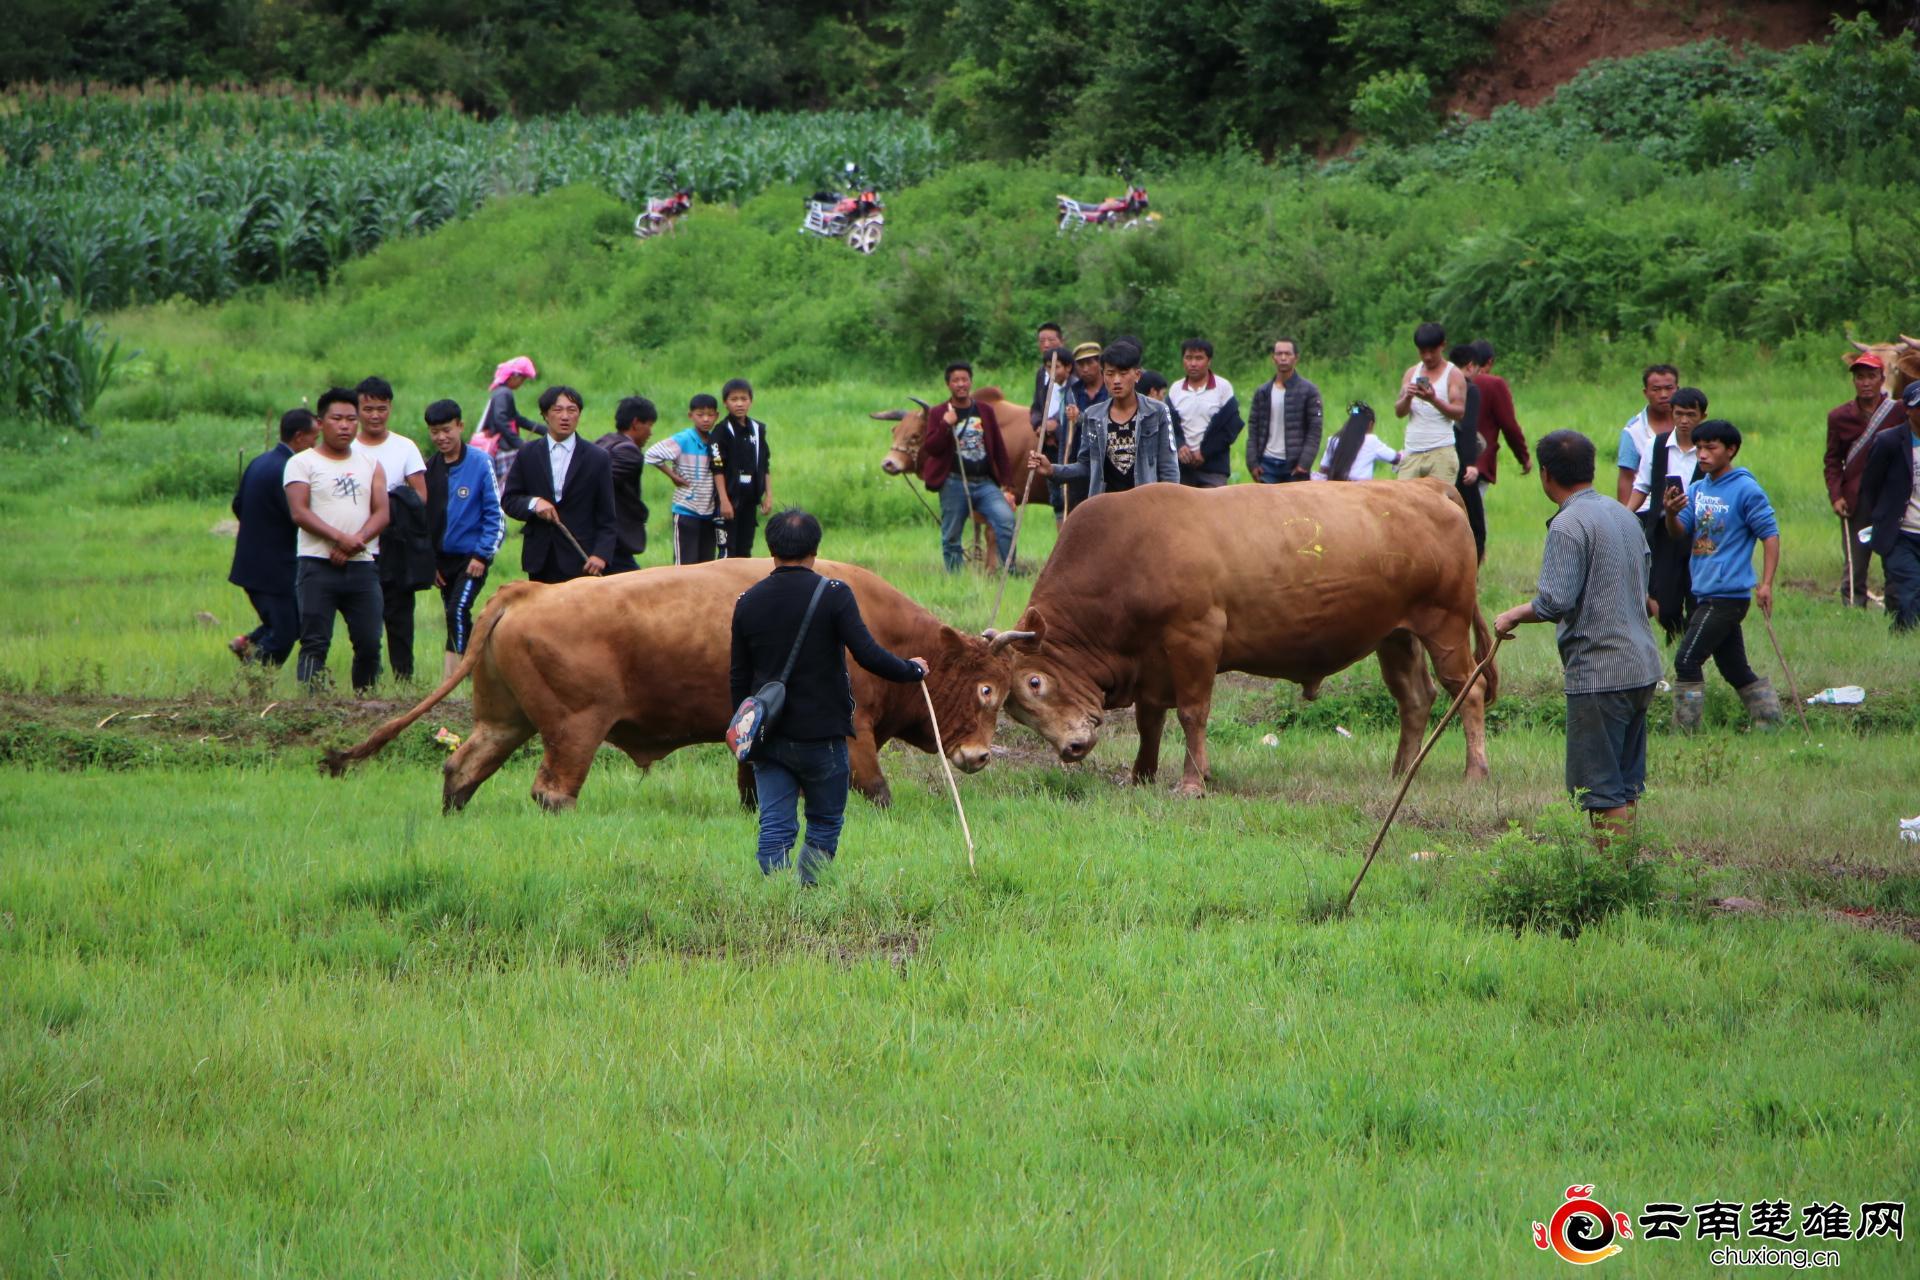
(988, 501)
(784, 770)
(1902, 565)
(1274, 471)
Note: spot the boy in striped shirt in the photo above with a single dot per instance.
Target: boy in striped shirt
(685, 458)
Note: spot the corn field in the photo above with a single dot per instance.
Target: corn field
(130, 198)
(53, 363)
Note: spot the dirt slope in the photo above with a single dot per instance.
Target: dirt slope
(1539, 48)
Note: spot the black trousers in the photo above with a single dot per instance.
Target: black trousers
(353, 591)
(695, 539)
(396, 611)
(279, 626)
(740, 529)
(457, 599)
(1856, 557)
(1714, 631)
(1476, 517)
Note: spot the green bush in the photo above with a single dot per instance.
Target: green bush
(53, 363)
(1557, 881)
(1395, 106)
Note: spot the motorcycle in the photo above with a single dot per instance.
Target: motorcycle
(661, 215)
(860, 218)
(1129, 210)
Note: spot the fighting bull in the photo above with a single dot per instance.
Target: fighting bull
(640, 660)
(1016, 431)
(1150, 593)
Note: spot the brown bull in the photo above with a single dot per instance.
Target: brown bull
(1016, 431)
(1901, 358)
(1149, 593)
(640, 660)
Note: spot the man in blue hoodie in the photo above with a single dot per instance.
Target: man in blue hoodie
(1724, 514)
(463, 511)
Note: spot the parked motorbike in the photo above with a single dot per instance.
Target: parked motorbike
(1129, 210)
(858, 217)
(661, 215)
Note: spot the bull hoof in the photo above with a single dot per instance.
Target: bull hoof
(1190, 791)
(553, 802)
(1143, 777)
(880, 795)
(1478, 773)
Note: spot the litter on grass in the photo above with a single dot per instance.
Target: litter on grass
(1910, 829)
(1847, 695)
(1342, 731)
(1271, 740)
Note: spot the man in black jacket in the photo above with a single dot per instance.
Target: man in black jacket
(1282, 446)
(263, 549)
(1049, 340)
(741, 460)
(805, 751)
(633, 421)
(562, 480)
(1891, 497)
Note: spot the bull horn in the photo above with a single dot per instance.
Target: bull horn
(1858, 345)
(925, 407)
(1911, 342)
(888, 415)
(998, 640)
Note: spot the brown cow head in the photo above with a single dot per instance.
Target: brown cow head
(1901, 358)
(1051, 695)
(968, 682)
(908, 427)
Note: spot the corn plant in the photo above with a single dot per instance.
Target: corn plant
(53, 364)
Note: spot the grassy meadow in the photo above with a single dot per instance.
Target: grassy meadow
(257, 1021)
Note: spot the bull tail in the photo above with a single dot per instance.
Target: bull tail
(1482, 637)
(336, 762)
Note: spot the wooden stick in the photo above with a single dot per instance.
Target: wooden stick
(1846, 561)
(1013, 548)
(939, 749)
(1786, 670)
(1414, 768)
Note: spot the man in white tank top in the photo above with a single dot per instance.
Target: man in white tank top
(1433, 397)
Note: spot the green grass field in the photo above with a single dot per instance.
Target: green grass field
(256, 1021)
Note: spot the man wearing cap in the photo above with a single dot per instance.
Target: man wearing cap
(1086, 388)
(1890, 500)
(1850, 432)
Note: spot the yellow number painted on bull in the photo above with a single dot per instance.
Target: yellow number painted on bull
(1310, 545)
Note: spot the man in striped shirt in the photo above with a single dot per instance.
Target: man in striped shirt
(685, 457)
(1593, 587)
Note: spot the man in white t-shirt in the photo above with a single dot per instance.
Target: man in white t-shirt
(1209, 418)
(1433, 397)
(400, 458)
(1657, 383)
(338, 499)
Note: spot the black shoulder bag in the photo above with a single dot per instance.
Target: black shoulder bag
(761, 709)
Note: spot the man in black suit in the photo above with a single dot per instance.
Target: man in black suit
(633, 421)
(1049, 339)
(566, 481)
(263, 563)
(1892, 500)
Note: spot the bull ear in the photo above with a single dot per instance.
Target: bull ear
(1033, 620)
(952, 643)
(888, 415)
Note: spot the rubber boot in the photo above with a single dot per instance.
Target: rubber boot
(1762, 704)
(1689, 702)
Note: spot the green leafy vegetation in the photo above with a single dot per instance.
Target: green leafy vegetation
(53, 363)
